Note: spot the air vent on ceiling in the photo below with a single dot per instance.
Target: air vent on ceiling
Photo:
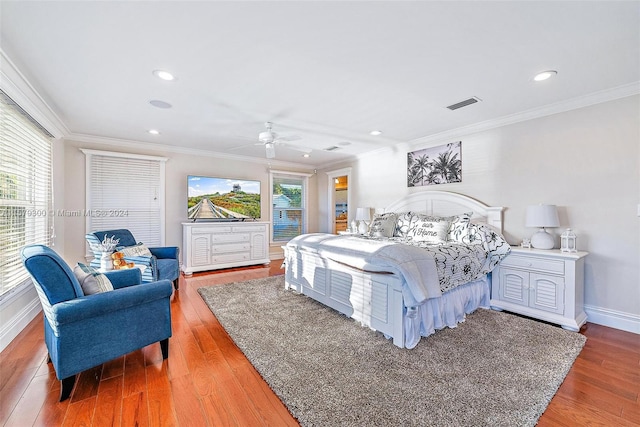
(332, 148)
(464, 103)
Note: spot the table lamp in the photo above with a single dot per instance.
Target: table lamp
(362, 216)
(542, 216)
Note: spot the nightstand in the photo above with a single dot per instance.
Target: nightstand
(543, 284)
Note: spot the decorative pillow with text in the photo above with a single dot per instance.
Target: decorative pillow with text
(137, 250)
(383, 225)
(432, 229)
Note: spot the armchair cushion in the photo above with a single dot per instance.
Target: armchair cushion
(91, 281)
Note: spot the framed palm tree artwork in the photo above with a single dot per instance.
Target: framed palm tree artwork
(435, 165)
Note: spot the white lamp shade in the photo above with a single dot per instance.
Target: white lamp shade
(542, 216)
(363, 214)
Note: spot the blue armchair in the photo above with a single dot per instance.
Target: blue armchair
(85, 331)
(163, 264)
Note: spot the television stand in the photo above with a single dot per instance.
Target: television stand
(216, 245)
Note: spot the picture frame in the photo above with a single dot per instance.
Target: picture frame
(435, 165)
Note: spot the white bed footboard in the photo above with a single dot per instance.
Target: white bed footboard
(373, 299)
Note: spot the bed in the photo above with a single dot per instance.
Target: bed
(424, 265)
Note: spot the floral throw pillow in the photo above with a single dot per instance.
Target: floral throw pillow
(402, 224)
(459, 227)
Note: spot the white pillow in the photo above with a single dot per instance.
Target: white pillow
(91, 281)
(137, 250)
(402, 224)
(459, 227)
(432, 229)
(383, 225)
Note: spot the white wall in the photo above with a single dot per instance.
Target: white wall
(585, 161)
(178, 167)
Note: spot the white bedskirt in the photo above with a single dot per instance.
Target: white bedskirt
(445, 311)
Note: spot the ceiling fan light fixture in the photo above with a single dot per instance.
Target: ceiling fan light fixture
(266, 137)
(164, 75)
(270, 150)
(544, 75)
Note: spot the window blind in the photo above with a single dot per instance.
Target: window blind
(126, 191)
(288, 199)
(25, 190)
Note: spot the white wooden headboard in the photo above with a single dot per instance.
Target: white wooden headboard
(445, 203)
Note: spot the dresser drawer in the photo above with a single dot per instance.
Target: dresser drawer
(230, 238)
(231, 247)
(532, 263)
(235, 257)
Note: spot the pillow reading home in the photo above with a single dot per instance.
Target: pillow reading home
(430, 229)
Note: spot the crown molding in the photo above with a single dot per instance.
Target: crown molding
(547, 110)
(150, 146)
(18, 88)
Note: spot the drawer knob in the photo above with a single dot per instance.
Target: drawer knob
(529, 264)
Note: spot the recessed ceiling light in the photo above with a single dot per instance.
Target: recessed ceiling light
(164, 75)
(159, 104)
(306, 155)
(545, 75)
(375, 132)
(154, 131)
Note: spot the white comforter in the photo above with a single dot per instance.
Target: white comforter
(428, 271)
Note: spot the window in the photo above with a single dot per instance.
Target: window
(25, 190)
(288, 200)
(126, 191)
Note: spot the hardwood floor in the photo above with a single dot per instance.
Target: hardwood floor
(208, 381)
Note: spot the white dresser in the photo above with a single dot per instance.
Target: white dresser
(543, 284)
(211, 245)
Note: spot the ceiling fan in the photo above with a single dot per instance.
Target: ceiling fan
(269, 139)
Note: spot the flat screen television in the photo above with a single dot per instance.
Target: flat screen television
(222, 199)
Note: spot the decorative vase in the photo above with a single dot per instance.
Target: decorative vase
(105, 261)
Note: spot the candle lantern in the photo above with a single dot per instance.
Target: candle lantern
(568, 241)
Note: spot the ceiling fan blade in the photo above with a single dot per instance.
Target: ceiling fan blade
(289, 138)
(270, 150)
(296, 147)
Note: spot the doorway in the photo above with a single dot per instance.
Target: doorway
(339, 198)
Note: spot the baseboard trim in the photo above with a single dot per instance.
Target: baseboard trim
(613, 318)
(17, 323)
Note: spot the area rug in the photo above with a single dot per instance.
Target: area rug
(494, 369)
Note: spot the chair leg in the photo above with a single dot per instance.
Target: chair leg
(176, 283)
(66, 386)
(164, 346)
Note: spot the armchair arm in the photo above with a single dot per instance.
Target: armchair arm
(123, 278)
(172, 252)
(107, 302)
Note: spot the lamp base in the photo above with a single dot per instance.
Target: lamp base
(363, 228)
(542, 240)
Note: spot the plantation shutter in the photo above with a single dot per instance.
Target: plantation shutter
(288, 200)
(126, 191)
(25, 190)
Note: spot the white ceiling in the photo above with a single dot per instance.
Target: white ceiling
(328, 72)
